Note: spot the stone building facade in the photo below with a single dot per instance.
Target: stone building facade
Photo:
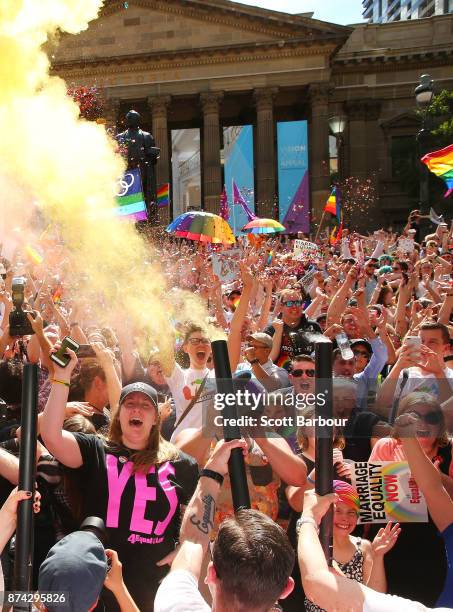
(212, 63)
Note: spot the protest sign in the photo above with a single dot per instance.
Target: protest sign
(388, 492)
(226, 265)
(306, 250)
(406, 245)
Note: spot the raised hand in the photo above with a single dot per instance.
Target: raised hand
(385, 539)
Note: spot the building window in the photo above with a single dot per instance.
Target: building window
(333, 156)
(403, 156)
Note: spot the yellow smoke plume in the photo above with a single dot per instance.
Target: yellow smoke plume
(68, 168)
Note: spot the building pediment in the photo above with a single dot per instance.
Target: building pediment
(152, 27)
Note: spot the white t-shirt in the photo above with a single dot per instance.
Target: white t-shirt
(183, 386)
(382, 602)
(421, 381)
(179, 592)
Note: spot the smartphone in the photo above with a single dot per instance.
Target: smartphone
(415, 342)
(85, 350)
(61, 357)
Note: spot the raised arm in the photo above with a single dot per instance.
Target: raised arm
(339, 300)
(234, 338)
(427, 476)
(62, 444)
(199, 516)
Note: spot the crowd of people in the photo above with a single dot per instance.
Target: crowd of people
(133, 502)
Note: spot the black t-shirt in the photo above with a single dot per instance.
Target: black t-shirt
(358, 432)
(141, 512)
(305, 343)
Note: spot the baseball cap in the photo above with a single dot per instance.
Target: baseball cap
(140, 387)
(362, 342)
(76, 565)
(262, 338)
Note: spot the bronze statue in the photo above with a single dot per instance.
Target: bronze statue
(142, 153)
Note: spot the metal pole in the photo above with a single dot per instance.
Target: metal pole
(23, 560)
(236, 465)
(324, 440)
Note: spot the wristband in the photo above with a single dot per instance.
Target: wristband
(213, 475)
(61, 382)
(253, 361)
(310, 480)
(307, 520)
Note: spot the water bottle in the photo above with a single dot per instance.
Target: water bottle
(344, 346)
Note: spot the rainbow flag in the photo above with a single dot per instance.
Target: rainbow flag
(163, 195)
(333, 205)
(335, 235)
(441, 164)
(130, 198)
(33, 255)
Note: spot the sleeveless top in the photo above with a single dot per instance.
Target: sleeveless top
(352, 569)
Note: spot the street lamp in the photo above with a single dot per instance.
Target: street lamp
(424, 93)
(337, 125)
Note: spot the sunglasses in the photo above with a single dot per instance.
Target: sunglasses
(298, 373)
(197, 341)
(396, 269)
(430, 418)
(290, 303)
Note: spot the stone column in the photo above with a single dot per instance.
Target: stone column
(212, 172)
(363, 145)
(159, 107)
(265, 151)
(111, 113)
(318, 142)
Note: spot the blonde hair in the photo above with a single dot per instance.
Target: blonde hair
(302, 438)
(418, 398)
(157, 449)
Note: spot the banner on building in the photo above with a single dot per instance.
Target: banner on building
(293, 177)
(388, 492)
(239, 169)
(130, 198)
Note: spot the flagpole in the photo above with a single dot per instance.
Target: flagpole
(320, 225)
(233, 207)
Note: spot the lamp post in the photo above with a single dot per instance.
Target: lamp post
(337, 125)
(424, 93)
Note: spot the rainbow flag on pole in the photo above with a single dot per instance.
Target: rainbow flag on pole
(333, 204)
(163, 195)
(441, 164)
(131, 201)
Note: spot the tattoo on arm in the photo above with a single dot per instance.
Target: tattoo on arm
(206, 522)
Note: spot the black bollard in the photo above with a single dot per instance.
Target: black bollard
(23, 560)
(236, 465)
(324, 440)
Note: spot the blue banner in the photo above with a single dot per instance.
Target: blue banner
(293, 177)
(238, 166)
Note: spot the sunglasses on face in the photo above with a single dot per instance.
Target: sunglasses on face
(290, 303)
(396, 269)
(197, 341)
(430, 418)
(298, 373)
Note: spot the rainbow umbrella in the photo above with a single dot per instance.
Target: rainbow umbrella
(263, 226)
(203, 227)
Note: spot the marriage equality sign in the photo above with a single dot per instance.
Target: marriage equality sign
(388, 492)
(306, 250)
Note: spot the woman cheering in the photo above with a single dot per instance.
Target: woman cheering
(133, 479)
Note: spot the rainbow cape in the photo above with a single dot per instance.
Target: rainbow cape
(163, 195)
(441, 164)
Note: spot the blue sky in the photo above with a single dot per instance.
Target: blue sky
(336, 11)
